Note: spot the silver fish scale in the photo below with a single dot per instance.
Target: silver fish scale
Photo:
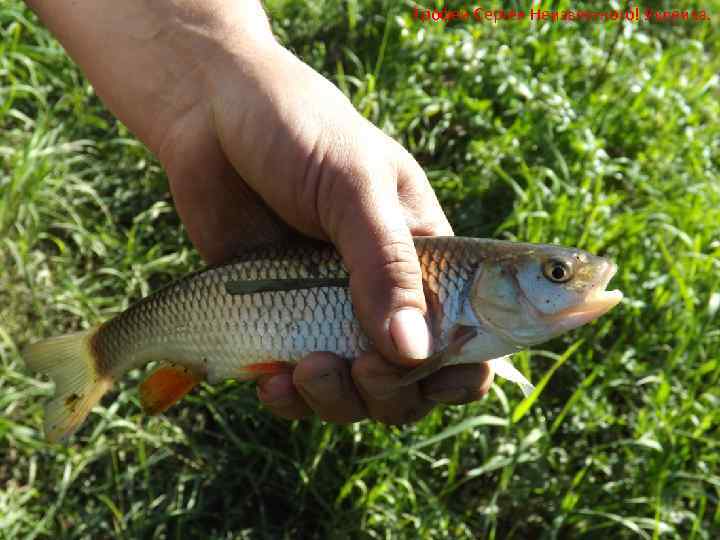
(195, 321)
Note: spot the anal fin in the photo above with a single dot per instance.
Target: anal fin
(167, 385)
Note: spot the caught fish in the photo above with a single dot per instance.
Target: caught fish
(270, 307)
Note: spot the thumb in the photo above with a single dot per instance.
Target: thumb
(385, 276)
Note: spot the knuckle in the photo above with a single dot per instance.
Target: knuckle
(329, 180)
(339, 193)
(371, 365)
(361, 370)
(399, 251)
(400, 266)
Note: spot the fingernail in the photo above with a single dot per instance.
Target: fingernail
(449, 395)
(326, 387)
(410, 334)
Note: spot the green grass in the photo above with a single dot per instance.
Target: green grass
(597, 135)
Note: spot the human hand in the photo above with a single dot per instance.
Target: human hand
(245, 121)
(332, 175)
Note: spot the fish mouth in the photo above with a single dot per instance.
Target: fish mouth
(597, 303)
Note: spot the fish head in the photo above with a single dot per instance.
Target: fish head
(530, 293)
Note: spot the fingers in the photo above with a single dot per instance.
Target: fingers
(324, 382)
(455, 385)
(326, 385)
(390, 403)
(319, 384)
(387, 401)
(278, 393)
(365, 220)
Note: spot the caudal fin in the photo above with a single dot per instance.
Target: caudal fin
(68, 360)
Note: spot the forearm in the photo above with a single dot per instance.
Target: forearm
(150, 61)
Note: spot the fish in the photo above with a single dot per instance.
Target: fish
(269, 307)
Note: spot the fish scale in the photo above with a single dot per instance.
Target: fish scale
(196, 318)
(485, 298)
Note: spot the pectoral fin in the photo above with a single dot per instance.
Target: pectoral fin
(167, 385)
(461, 336)
(429, 366)
(503, 368)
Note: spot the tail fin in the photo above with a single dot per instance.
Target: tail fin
(69, 361)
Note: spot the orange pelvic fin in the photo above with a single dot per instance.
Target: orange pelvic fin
(167, 385)
(254, 371)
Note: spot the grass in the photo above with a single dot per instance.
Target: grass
(603, 136)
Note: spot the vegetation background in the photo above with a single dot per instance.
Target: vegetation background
(604, 136)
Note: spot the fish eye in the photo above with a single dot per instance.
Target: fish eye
(557, 271)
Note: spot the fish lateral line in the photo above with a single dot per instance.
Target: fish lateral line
(254, 286)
